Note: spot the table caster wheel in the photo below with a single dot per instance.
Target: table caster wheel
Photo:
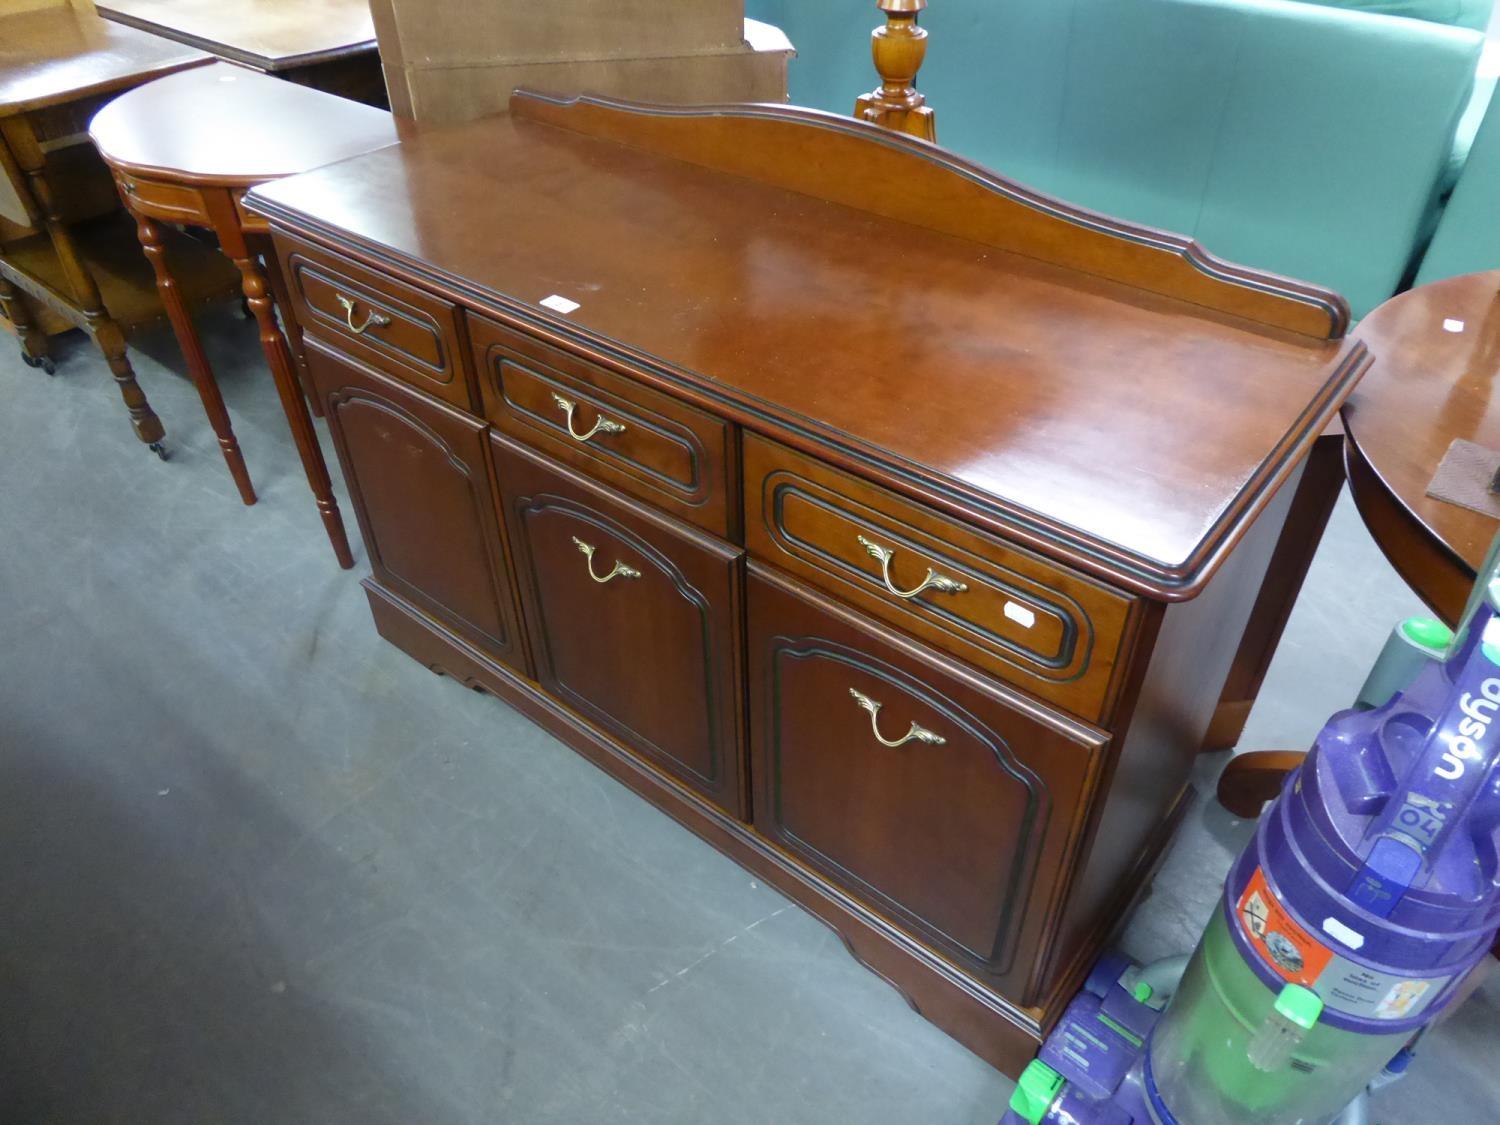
(42, 361)
(159, 449)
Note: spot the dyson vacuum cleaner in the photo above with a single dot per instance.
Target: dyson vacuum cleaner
(1347, 926)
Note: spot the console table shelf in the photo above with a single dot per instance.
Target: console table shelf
(112, 255)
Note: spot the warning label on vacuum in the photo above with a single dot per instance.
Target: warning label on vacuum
(1302, 958)
(1284, 945)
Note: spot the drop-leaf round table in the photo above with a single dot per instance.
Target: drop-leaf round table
(1437, 357)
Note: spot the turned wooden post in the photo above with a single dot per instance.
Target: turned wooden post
(899, 48)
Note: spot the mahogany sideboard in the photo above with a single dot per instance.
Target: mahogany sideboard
(892, 527)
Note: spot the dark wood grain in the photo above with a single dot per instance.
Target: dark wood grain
(1250, 780)
(56, 67)
(652, 652)
(958, 841)
(418, 471)
(197, 360)
(1439, 351)
(667, 452)
(994, 1028)
(987, 388)
(1316, 494)
(162, 199)
(183, 150)
(269, 35)
(901, 178)
(809, 519)
(1062, 416)
(1181, 658)
(225, 125)
(79, 296)
(409, 333)
(59, 55)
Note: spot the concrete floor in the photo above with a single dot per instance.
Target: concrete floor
(256, 866)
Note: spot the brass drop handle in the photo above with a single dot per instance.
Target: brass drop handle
(934, 581)
(373, 319)
(619, 570)
(915, 734)
(602, 425)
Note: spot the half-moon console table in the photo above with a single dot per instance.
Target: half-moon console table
(892, 527)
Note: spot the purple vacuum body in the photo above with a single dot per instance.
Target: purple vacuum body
(1351, 920)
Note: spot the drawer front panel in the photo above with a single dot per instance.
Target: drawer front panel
(939, 798)
(418, 475)
(644, 442)
(1053, 632)
(169, 202)
(634, 619)
(410, 334)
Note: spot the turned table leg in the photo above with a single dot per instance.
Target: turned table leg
(192, 351)
(34, 345)
(24, 147)
(283, 371)
(283, 298)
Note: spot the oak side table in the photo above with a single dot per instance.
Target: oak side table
(67, 254)
(185, 150)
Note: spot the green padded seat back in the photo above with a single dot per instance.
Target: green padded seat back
(1298, 138)
(1468, 238)
(1455, 13)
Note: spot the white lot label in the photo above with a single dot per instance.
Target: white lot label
(1020, 615)
(1336, 929)
(560, 304)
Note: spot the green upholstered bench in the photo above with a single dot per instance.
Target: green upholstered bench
(1456, 13)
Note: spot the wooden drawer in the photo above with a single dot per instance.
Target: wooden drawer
(418, 475)
(407, 332)
(634, 619)
(644, 442)
(940, 798)
(1048, 630)
(172, 203)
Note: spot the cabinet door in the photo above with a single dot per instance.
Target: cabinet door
(942, 799)
(634, 619)
(418, 476)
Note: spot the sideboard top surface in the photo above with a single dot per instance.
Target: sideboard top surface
(1133, 432)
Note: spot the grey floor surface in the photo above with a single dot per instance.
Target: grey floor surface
(256, 866)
